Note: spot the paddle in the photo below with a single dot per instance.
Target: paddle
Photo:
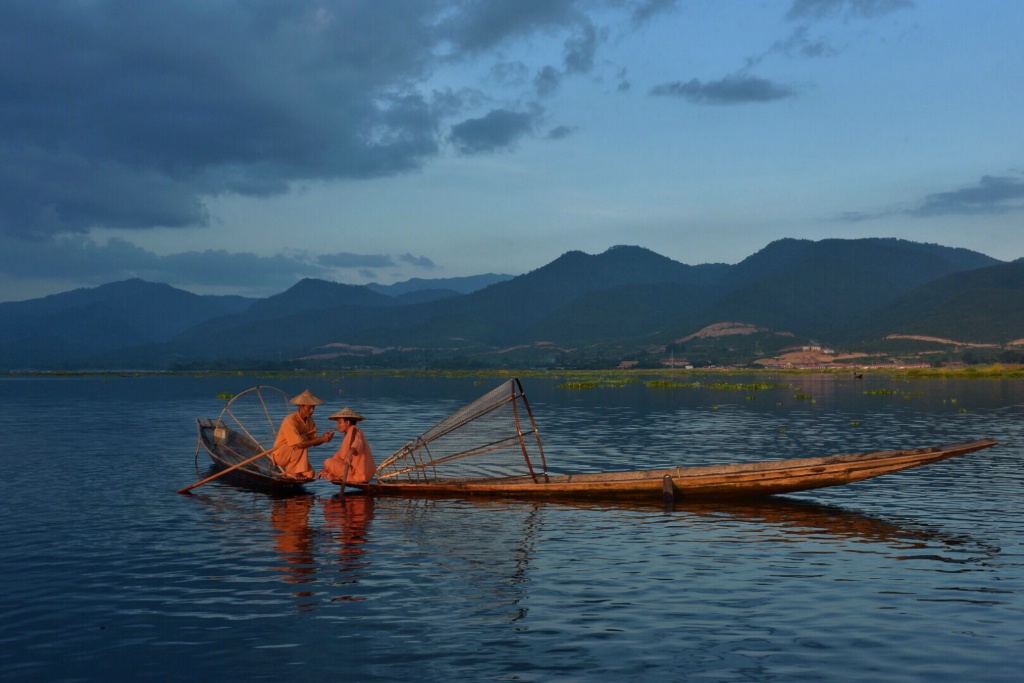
(225, 471)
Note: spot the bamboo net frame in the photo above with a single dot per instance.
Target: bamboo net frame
(494, 437)
(248, 424)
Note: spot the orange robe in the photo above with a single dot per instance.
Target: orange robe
(355, 451)
(290, 457)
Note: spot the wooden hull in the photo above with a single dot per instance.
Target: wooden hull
(227, 447)
(752, 480)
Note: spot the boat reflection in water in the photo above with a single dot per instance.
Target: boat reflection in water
(491, 545)
(776, 518)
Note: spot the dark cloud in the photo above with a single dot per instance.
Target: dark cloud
(645, 11)
(343, 259)
(50, 191)
(856, 216)
(229, 269)
(991, 195)
(865, 9)
(418, 261)
(580, 48)
(623, 77)
(800, 44)
(499, 129)
(729, 90)
(75, 257)
(126, 115)
(129, 115)
(514, 73)
(560, 132)
(79, 259)
(547, 81)
(485, 24)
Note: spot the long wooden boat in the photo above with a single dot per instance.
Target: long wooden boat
(492, 447)
(751, 480)
(228, 447)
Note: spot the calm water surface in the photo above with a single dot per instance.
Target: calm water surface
(110, 575)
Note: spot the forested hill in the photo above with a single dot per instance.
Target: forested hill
(578, 309)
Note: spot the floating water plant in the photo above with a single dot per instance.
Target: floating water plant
(600, 383)
(668, 384)
(577, 386)
(760, 386)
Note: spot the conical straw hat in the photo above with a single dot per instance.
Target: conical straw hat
(307, 399)
(346, 414)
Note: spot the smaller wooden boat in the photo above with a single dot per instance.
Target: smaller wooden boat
(491, 447)
(228, 448)
(242, 437)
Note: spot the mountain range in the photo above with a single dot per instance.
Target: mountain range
(876, 299)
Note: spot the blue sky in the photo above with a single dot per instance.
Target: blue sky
(235, 147)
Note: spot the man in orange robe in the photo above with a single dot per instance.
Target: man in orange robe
(354, 454)
(296, 436)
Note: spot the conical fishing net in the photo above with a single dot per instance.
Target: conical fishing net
(248, 425)
(495, 436)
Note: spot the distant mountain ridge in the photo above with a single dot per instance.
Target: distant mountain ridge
(76, 325)
(314, 295)
(823, 289)
(984, 305)
(578, 309)
(458, 285)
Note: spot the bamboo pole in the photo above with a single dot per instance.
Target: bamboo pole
(344, 477)
(229, 469)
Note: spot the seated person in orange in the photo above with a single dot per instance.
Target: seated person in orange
(354, 453)
(296, 436)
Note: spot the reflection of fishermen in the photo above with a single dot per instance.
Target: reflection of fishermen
(353, 463)
(290, 517)
(350, 518)
(296, 436)
(347, 519)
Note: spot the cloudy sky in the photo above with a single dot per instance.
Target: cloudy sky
(237, 146)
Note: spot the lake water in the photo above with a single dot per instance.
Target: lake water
(915, 576)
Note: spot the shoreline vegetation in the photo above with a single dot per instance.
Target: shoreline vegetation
(680, 376)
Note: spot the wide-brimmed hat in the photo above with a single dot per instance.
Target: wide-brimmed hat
(307, 399)
(346, 414)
